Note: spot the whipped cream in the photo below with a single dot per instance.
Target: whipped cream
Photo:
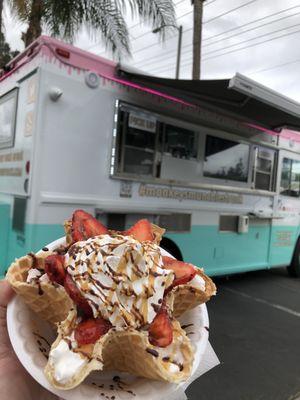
(172, 355)
(198, 282)
(65, 362)
(121, 278)
(35, 275)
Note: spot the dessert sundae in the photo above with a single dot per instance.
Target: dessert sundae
(119, 298)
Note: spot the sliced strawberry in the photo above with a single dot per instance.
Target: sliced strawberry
(141, 231)
(160, 329)
(93, 227)
(90, 330)
(84, 226)
(76, 296)
(184, 272)
(54, 267)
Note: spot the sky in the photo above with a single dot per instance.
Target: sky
(258, 38)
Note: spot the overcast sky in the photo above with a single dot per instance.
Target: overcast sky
(258, 38)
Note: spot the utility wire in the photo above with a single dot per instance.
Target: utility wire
(188, 47)
(212, 19)
(205, 22)
(259, 71)
(233, 29)
(187, 30)
(160, 70)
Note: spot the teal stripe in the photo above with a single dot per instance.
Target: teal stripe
(225, 252)
(219, 253)
(34, 238)
(4, 233)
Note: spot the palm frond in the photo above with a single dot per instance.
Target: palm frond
(65, 18)
(159, 13)
(20, 9)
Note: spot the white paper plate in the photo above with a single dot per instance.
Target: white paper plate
(31, 339)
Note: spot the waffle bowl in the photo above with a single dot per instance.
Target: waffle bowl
(50, 301)
(32, 337)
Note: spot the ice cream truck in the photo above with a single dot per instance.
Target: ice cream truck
(214, 162)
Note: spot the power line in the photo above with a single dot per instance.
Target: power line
(249, 23)
(255, 44)
(205, 22)
(250, 40)
(253, 29)
(165, 56)
(187, 30)
(274, 67)
(229, 52)
(146, 33)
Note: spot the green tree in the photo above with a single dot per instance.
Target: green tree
(6, 54)
(105, 17)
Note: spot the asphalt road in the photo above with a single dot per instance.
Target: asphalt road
(255, 331)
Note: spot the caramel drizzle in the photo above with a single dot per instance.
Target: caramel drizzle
(117, 276)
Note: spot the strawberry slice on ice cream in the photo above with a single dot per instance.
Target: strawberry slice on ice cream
(184, 272)
(160, 329)
(76, 296)
(90, 330)
(141, 231)
(54, 267)
(84, 226)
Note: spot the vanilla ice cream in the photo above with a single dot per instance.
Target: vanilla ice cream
(121, 278)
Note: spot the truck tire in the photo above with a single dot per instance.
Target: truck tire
(172, 248)
(294, 267)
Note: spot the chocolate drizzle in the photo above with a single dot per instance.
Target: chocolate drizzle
(186, 326)
(153, 352)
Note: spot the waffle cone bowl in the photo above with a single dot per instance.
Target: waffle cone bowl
(119, 303)
(186, 297)
(49, 301)
(127, 351)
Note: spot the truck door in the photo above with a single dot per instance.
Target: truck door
(285, 227)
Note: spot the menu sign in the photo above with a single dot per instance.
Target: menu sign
(142, 121)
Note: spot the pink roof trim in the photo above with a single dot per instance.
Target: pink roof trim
(78, 58)
(106, 68)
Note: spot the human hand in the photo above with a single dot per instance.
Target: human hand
(15, 382)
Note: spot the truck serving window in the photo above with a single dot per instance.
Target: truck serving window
(8, 105)
(226, 159)
(180, 143)
(137, 142)
(290, 178)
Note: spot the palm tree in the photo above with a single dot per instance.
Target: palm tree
(6, 54)
(197, 37)
(65, 18)
(1, 11)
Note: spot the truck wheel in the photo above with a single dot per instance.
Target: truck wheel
(294, 267)
(172, 248)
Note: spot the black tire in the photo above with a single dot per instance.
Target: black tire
(294, 267)
(172, 248)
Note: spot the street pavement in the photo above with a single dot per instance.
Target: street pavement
(255, 331)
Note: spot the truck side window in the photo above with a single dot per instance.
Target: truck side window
(180, 143)
(263, 168)
(290, 178)
(137, 143)
(8, 104)
(226, 159)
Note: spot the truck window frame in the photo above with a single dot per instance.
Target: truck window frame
(201, 132)
(289, 190)
(12, 94)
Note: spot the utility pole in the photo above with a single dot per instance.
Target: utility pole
(179, 28)
(1, 11)
(197, 37)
